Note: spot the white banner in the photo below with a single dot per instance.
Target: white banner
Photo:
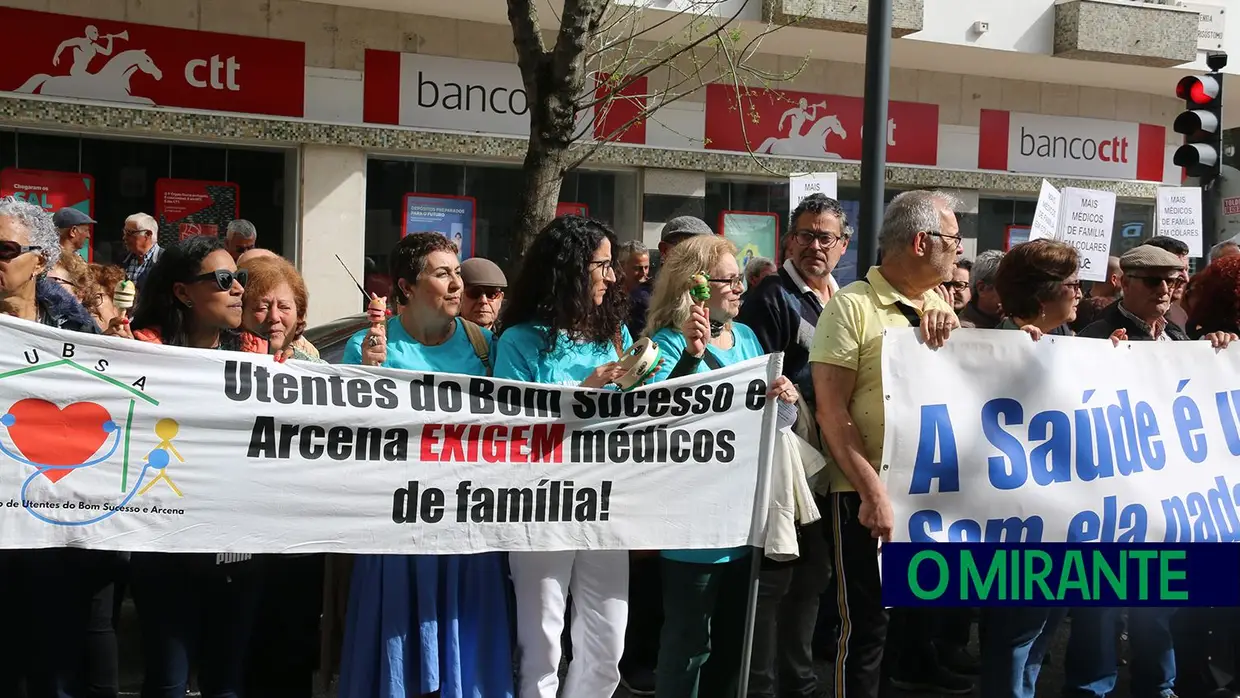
(1179, 216)
(1046, 215)
(803, 185)
(996, 437)
(115, 444)
(1086, 217)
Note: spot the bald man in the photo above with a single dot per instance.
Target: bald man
(253, 254)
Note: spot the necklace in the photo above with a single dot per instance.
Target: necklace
(716, 329)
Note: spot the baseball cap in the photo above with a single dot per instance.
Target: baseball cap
(69, 217)
(1149, 257)
(480, 271)
(684, 226)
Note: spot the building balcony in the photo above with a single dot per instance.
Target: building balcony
(1133, 33)
(845, 16)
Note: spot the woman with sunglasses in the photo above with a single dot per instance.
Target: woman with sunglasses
(57, 636)
(704, 591)
(421, 625)
(193, 609)
(564, 325)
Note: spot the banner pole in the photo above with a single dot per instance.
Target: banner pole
(762, 499)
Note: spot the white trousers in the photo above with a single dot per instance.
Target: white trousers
(599, 583)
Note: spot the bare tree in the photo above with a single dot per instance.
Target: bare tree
(609, 67)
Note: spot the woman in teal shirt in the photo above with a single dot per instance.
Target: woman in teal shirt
(564, 325)
(704, 591)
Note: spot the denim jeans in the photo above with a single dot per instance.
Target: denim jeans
(1014, 642)
(1091, 666)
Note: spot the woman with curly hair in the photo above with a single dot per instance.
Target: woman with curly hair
(1215, 298)
(564, 325)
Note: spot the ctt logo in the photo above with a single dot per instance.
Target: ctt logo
(1043, 145)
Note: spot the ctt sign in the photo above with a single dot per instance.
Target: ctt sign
(1070, 146)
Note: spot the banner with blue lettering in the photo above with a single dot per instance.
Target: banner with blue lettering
(997, 438)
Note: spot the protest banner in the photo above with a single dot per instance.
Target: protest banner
(995, 437)
(114, 444)
(1180, 217)
(1046, 215)
(803, 185)
(1086, 217)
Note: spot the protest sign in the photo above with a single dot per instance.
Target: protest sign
(802, 185)
(997, 438)
(115, 444)
(1179, 216)
(1046, 215)
(1086, 217)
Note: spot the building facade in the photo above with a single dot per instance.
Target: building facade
(337, 126)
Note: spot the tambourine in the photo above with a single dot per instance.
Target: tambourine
(639, 362)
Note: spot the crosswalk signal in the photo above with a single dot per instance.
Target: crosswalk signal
(1202, 124)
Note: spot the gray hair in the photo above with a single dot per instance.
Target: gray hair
(38, 225)
(1217, 250)
(629, 248)
(756, 265)
(241, 228)
(913, 212)
(985, 268)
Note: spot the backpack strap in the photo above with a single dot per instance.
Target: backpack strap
(908, 312)
(479, 341)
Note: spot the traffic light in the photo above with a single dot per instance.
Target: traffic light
(1202, 124)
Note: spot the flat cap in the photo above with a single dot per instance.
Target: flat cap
(480, 271)
(1149, 257)
(681, 226)
(69, 217)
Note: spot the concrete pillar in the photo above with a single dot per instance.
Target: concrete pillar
(333, 222)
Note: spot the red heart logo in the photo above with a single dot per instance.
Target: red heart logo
(48, 435)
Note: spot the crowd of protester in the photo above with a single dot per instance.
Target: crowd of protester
(666, 623)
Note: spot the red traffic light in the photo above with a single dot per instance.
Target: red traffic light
(1199, 90)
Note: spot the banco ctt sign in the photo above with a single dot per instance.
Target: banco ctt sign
(1070, 146)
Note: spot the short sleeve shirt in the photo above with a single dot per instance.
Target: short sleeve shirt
(520, 356)
(850, 335)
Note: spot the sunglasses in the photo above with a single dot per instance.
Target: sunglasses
(1156, 281)
(476, 292)
(10, 250)
(224, 278)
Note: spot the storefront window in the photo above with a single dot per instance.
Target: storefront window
(999, 218)
(492, 193)
(125, 173)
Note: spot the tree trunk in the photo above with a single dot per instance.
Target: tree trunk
(542, 175)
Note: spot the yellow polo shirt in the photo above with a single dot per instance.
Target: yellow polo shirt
(850, 335)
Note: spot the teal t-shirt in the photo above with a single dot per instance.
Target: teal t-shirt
(456, 355)
(671, 346)
(519, 356)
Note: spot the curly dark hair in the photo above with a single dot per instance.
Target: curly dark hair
(552, 288)
(817, 204)
(1031, 274)
(158, 307)
(1170, 244)
(408, 258)
(1215, 305)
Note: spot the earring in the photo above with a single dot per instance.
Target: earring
(189, 304)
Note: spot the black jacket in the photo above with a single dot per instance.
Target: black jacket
(784, 320)
(61, 309)
(1112, 319)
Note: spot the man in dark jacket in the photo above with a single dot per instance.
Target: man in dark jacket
(1151, 276)
(983, 311)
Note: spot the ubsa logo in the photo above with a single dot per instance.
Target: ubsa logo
(1132, 230)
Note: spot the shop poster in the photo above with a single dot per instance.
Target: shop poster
(52, 191)
(754, 234)
(1017, 234)
(565, 208)
(189, 207)
(453, 217)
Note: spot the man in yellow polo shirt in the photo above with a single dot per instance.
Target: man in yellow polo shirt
(920, 242)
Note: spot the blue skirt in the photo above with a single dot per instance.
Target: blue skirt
(419, 624)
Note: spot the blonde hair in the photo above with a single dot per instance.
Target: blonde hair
(669, 303)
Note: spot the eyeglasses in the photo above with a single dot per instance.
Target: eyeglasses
(734, 282)
(1074, 285)
(224, 278)
(957, 240)
(958, 285)
(808, 237)
(1155, 281)
(476, 292)
(10, 250)
(603, 265)
(134, 233)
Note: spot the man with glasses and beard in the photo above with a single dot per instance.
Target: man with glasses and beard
(484, 291)
(783, 311)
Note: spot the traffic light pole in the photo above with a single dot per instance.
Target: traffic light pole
(874, 133)
(1211, 189)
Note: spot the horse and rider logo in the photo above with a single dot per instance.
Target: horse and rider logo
(814, 141)
(109, 83)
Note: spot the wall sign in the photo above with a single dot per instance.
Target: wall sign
(1072, 146)
(52, 191)
(97, 59)
(451, 216)
(570, 209)
(805, 124)
(189, 207)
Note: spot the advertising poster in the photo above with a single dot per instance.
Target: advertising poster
(1016, 234)
(451, 216)
(565, 208)
(52, 191)
(189, 207)
(754, 234)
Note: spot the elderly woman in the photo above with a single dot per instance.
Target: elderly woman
(193, 298)
(275, 305)
(73, 275)
(104, 279)
(1214, 298)
(704, 591)
(51, 657)
(423, 624)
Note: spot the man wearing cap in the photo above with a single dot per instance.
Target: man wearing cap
(1150, 277)
(484, 291)
(74, 227)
